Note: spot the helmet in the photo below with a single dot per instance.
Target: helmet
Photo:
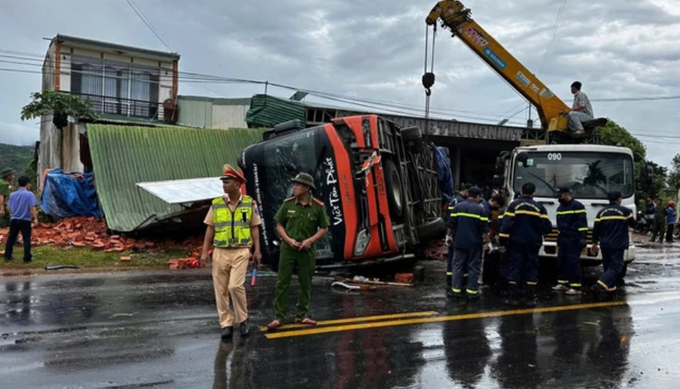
(671, 203)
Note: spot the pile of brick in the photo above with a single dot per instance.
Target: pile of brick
(89, 232)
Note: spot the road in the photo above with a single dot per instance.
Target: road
(159, 330)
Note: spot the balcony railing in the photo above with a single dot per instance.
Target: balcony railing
(129, 107)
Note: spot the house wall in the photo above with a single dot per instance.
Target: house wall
(62, 150)
(215, 113)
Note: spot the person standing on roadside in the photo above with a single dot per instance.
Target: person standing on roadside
(469, 225)
(660, 215)
(611, 233)
(22, 205)
(301, 221)
(572, 224)
(5, 190)
(233, 228)
(672, 218)
(524, 224)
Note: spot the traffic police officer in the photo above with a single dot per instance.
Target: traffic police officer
(524, 224)
(469, 226)
(460, 198)
(572, 225)
(233, 227)
(301, 221)
(611, 233)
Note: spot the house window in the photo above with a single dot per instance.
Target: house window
(116, 87)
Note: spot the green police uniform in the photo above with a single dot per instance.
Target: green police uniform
(300, 222)
(4, 192)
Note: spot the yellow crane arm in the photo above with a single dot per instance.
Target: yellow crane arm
(454, 16)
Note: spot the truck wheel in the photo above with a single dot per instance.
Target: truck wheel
(433, 229)
(410, 134)
(395, 196)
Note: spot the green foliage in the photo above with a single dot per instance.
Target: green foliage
(58, 104)
(674, 175)
(15, 157)
(614, 135)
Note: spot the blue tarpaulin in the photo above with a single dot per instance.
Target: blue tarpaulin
(444, 173)
(70, 194)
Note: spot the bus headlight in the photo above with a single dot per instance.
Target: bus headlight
(362, 243)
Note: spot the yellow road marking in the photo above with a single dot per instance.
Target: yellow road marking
(422, 320)
(357, 319)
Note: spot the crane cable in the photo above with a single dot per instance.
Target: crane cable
(428, 77)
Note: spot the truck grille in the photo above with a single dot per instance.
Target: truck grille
(552, 236)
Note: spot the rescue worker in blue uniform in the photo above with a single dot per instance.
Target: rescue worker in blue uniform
(524, 223)
(460, 198)
(572, 225)
(469, 228)
(611, 233)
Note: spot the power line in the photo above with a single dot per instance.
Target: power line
(642, 98)
(148, 23)
(552, 38)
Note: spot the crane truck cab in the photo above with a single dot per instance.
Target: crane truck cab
(378, 182)
(590, 171)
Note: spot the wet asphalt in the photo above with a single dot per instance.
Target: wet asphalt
(160, 330)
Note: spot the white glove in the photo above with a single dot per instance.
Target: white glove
(488, 247)
(449, 240)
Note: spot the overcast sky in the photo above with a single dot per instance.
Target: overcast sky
(374, 49)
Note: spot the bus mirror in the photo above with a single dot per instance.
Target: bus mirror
(497, 181)
(522, 157)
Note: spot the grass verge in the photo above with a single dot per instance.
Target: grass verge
(89, 259)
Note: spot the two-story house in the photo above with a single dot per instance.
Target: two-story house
(122, 82)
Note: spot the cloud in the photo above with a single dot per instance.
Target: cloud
(19, 134)
(375, 50)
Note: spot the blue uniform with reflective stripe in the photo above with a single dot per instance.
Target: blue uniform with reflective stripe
(525, 222)
(611, 227)
(571, 220)
(468, 222)
(611, 231)
(572, 225)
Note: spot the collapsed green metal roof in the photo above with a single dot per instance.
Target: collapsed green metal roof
(125, 155)
(268, 111)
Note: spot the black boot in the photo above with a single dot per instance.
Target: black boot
(245, 330)
(227, 333)
(531, 296)
(512, 295)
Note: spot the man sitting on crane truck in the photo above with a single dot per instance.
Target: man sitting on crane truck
(581, 110)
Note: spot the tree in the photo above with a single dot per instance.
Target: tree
(614, 135)
(674, 175)
(59, 105)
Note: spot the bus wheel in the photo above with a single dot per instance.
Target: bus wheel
(395, 196)
(410, 134)
(433, 229)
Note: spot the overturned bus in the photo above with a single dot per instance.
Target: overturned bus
(379, 184)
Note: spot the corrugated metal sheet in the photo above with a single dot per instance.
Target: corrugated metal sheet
(268, 111)
(126, 155)
(195, 113)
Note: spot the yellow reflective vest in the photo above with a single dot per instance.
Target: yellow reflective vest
(232, 229)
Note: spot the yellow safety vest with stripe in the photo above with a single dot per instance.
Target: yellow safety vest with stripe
(232, 229)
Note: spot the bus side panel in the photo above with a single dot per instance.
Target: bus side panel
(345, 186)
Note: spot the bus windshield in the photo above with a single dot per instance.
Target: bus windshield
(282, 160)
(590, 175)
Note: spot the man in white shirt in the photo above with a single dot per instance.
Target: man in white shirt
(581, 110)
